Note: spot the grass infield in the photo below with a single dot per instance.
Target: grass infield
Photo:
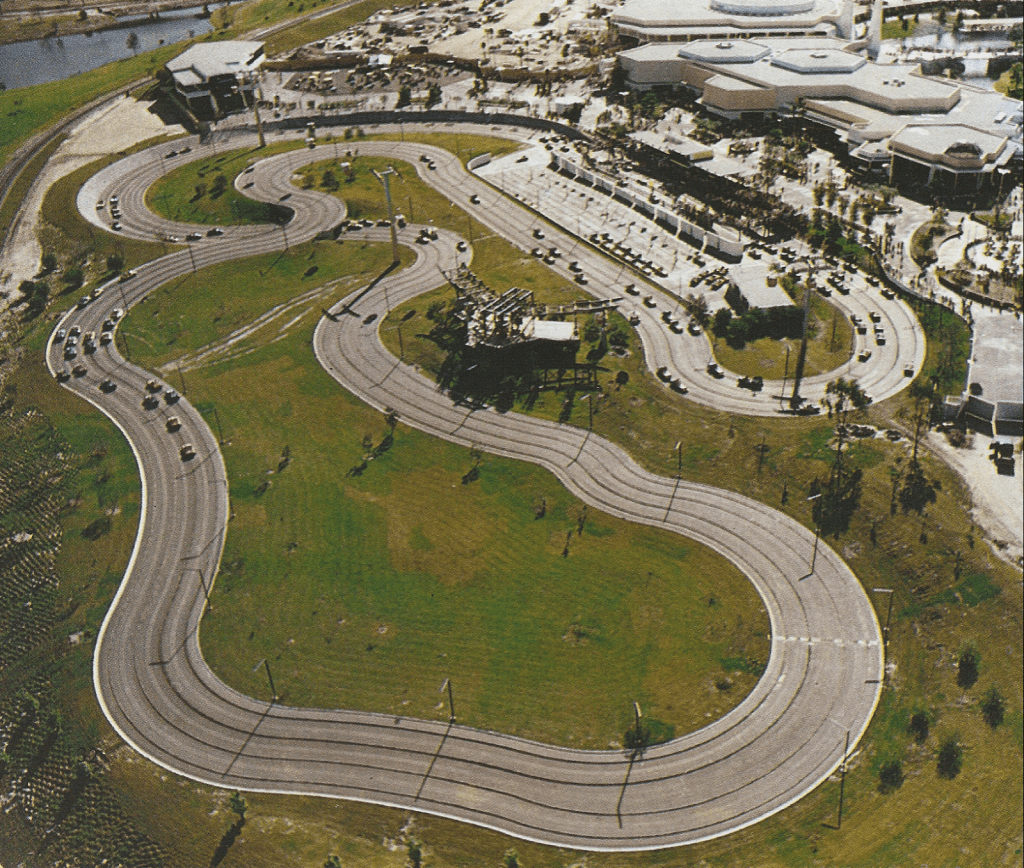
(972, 819)
(827, 348)
(384, 584)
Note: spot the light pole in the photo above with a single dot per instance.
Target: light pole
(888, 614)
(794, 401)
(383, 178)
(451, 701)
(220, 434)
(679, 459)
(817, 536)
(244, 78)
(842, 781)
(265, 663)
(206, 591)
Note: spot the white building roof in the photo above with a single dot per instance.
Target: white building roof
(205, 60)
(550, 330)
(752, 282)
(700, 16)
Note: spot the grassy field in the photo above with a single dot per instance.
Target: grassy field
(938, 608)
(1005, 84)
(233, 21)
(894, 29)
(328, 25)
(176, 195)
(378, 595)
(185, 314)
(419, 202)
(973, 819)
(827, 349)
(465, 146)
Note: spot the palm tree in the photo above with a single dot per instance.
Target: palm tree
(697, 307)
(848, 393)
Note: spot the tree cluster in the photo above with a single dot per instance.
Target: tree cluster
(775, 322)
(733, 201)
(35, 295)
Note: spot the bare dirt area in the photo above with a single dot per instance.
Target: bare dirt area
(998, 499)
(120, 125)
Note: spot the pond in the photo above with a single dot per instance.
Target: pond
(45, 60)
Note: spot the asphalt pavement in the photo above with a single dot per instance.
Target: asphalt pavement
(821, 684)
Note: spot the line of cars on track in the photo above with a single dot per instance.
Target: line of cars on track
(115, 211)
(114, 204)
(68, 339)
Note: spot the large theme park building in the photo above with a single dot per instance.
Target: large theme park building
(215, 78)
(759, 59)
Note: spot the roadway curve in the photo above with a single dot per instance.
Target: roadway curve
(822, 680)
(685, 356)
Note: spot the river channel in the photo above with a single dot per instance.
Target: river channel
(47, 60)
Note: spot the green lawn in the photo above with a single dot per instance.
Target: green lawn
(384, 584)
(312, 30)
(74, 240)
(190, 194)
(894, 28)
(23, 183)
(886, 550)
(1006, 83)
(199, 309)
(827, 349)
(418, 201)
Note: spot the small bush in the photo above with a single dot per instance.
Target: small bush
(967, 668)
(918, 726)
(74, 277)
(951, 758)
(890, 776)
(993, 707)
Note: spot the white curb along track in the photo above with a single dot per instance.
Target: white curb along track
(822, 679)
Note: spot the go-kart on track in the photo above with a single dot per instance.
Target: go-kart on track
(820, 686)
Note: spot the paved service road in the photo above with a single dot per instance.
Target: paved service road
(821, 683)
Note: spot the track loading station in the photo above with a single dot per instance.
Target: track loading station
(515, 318)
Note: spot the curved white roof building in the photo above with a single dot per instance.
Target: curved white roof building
(677, 21)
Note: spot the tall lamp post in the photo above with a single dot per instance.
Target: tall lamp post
(265, 663)
(817, 536)
(801, 359)
(885, 630)
(451, 701)
(247, 78)
(383, 178)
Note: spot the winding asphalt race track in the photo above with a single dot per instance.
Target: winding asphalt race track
(821, 683)
(684, 356)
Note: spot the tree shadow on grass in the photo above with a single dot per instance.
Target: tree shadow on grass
(226, 841)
